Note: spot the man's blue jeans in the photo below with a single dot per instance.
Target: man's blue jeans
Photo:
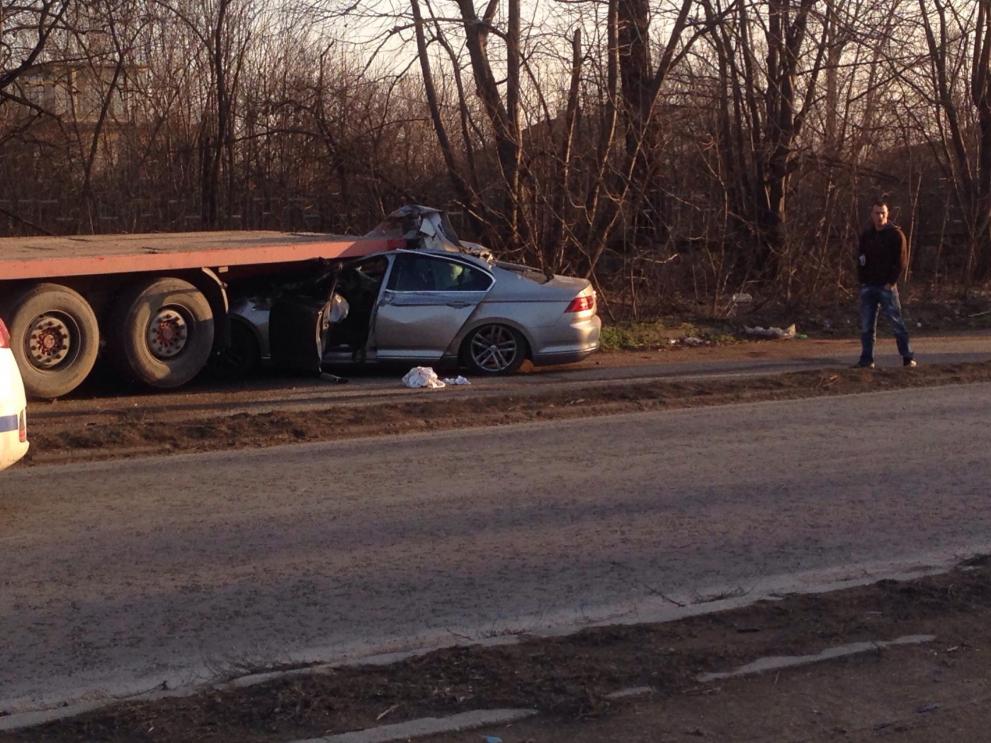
(872, 297)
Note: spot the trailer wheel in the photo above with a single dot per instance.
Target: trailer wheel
(162, 332)
(55, 338)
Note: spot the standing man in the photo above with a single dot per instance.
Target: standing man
(881, 258)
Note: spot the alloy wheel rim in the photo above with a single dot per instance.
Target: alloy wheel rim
(494, 349)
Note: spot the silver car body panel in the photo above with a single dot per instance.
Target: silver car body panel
(552, 335)
(536, 309)
(420, 325)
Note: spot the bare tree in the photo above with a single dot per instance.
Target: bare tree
(223, 28)
(763, 111)
(25, 28)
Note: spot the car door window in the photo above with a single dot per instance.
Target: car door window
(412, 273)
(419, 273)
(372, 269)
(460, 277)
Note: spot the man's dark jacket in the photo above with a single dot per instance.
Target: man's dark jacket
(882, 255)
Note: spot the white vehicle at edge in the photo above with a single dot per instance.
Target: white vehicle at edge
(13, 410)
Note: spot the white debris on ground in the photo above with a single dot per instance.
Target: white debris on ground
(422, 376)
(742, 298)
(692, 340)
(783, 333)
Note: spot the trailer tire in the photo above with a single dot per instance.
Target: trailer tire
(55, 338)
(161, 332)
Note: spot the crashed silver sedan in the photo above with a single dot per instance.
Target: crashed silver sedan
(439, 301)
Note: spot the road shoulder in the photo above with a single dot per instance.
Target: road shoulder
(576, 683)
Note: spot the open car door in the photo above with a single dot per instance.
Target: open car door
(298, 325)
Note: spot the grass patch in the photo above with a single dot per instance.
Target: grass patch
(652, 335)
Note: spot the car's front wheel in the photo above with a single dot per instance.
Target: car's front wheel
(242, 356)
(494, 349)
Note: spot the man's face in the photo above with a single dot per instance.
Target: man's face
(879, 216)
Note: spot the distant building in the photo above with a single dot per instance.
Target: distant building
(74, 92)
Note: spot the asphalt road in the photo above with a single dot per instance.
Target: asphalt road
(123, 575)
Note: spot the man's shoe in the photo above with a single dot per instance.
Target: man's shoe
(864, 365)
(909, 363)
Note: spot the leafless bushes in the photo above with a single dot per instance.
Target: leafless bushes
(669, 149)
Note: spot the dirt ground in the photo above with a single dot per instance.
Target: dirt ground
(116, 432)
(569, 680)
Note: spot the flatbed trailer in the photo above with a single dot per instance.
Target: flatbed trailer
(157, 303)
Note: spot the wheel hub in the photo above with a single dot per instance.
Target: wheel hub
(167, 333)
(49, 341)
(494, 349)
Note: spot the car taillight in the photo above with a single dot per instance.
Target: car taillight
(22, 426)
(581, 303)
(4, 336)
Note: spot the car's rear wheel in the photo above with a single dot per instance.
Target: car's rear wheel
(494, 349)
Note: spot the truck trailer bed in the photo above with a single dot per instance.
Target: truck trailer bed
(85, 255)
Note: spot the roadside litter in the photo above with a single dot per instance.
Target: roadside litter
(784, 334)
(424, 376)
